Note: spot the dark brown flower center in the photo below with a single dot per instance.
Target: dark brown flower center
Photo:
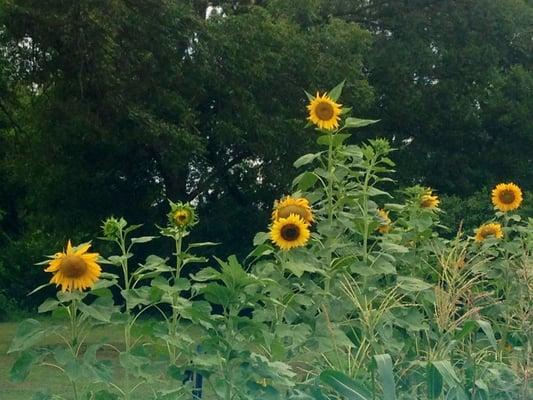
(486, 232)
(181, 217)
(324, 111)
(285, 212)
(73, 266)
(507, 196)
(290, 232)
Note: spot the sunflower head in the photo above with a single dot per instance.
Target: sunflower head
(493, 229)
(506, 196)
(293, 205)
(182, 215)
(324, 112)
(74, 269)
(288, 233)
(112, 226)
(428, 199)
(384, 221)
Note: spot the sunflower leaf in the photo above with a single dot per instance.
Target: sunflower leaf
(306, 159)
(336, 140)
(358, 123)
(142, 239)
(22, 366)
(336, 92)
(305, 180)
(29, 332)
(38, 288)
(48, 305)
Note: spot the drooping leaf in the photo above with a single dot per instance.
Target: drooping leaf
(384, 366)
(29, 332)
(345, 385)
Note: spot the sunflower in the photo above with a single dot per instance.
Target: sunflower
(429, 200)
(324, 112)
(290, 232)
(74, 269)
(182, 215)
(506, 196)
(486, 230)
(385, 221)
(292, 205)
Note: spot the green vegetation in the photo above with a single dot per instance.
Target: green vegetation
(110, 109)
(353, 293)
(395, 262)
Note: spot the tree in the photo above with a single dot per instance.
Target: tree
(125, 104)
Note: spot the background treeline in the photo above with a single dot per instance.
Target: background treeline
(110, 107)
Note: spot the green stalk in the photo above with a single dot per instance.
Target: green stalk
(227, 373)
(329, 194)
(365, 209)
(174, 324)
(73, 316)
(127, 329)
(330, 181)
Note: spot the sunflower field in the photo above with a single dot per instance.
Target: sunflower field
(351, 292)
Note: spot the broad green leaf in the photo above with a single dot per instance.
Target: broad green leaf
(261, 237)
(345, 385)
(101, 309)
(487, 329)
(373, 191)
(336, 140)
(305, 181)
(446, 371)
(299, 267)
(136, 297)
(336, 92)
(29, 332)
(218, 294)
(206, 274)
(358, 123)
(384, 365)
(261, 250)
(306, 159)
(411, 284)
(136, 365)
(188, 259)
(22, 366)
(390, 247)
(202, 244)
(48, 305)
(142, 239)
(433, 381)
(97, 369)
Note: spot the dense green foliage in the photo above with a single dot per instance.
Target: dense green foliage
(352, 294)
(110, 107)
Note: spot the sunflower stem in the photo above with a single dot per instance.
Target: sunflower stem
(174, 325)
(365, 208)
(121, 241)
(73, 316)
(329, 208)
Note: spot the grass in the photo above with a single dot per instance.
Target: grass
(43, 378)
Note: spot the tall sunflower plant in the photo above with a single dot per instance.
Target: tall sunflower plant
(330, 230)
(60, 343)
